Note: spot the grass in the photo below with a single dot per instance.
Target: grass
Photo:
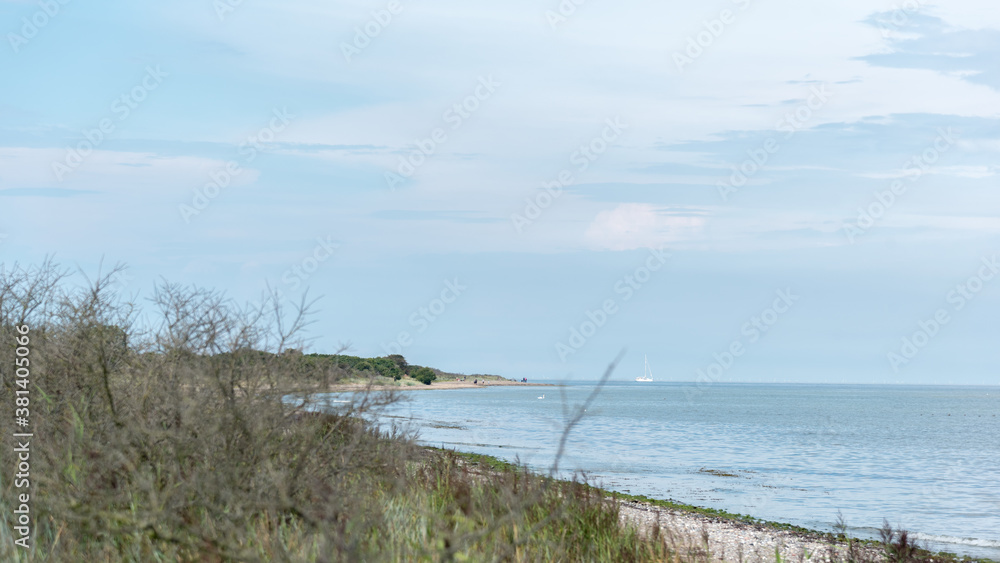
(493, 463)
(172, 443)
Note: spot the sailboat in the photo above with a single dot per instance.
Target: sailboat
(647, 374)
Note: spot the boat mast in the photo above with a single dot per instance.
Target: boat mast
(647, 374)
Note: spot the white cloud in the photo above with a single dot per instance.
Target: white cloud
(974, 172)
(112, 171)
(639, 225)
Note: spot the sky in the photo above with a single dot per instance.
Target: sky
(739, 190)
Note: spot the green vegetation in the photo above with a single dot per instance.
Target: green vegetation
(493, 463)
(173, 443)
(316, 372)
(424, 375)
(342, 368)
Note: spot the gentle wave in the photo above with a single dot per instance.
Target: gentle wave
(976, 542)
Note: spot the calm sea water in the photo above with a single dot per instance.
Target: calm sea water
(924, 458)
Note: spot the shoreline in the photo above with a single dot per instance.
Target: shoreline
(707, 534)
(436, 385)
(717, 536)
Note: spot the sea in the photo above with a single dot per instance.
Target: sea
(922, 458)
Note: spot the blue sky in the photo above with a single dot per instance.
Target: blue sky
(741, 190)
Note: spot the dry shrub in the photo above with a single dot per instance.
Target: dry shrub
(175, 442)
(176, 439)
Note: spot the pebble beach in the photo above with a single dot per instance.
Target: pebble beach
(726, 540)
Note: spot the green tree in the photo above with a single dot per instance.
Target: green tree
(400, 362)
(424, 375)
(387, 368)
